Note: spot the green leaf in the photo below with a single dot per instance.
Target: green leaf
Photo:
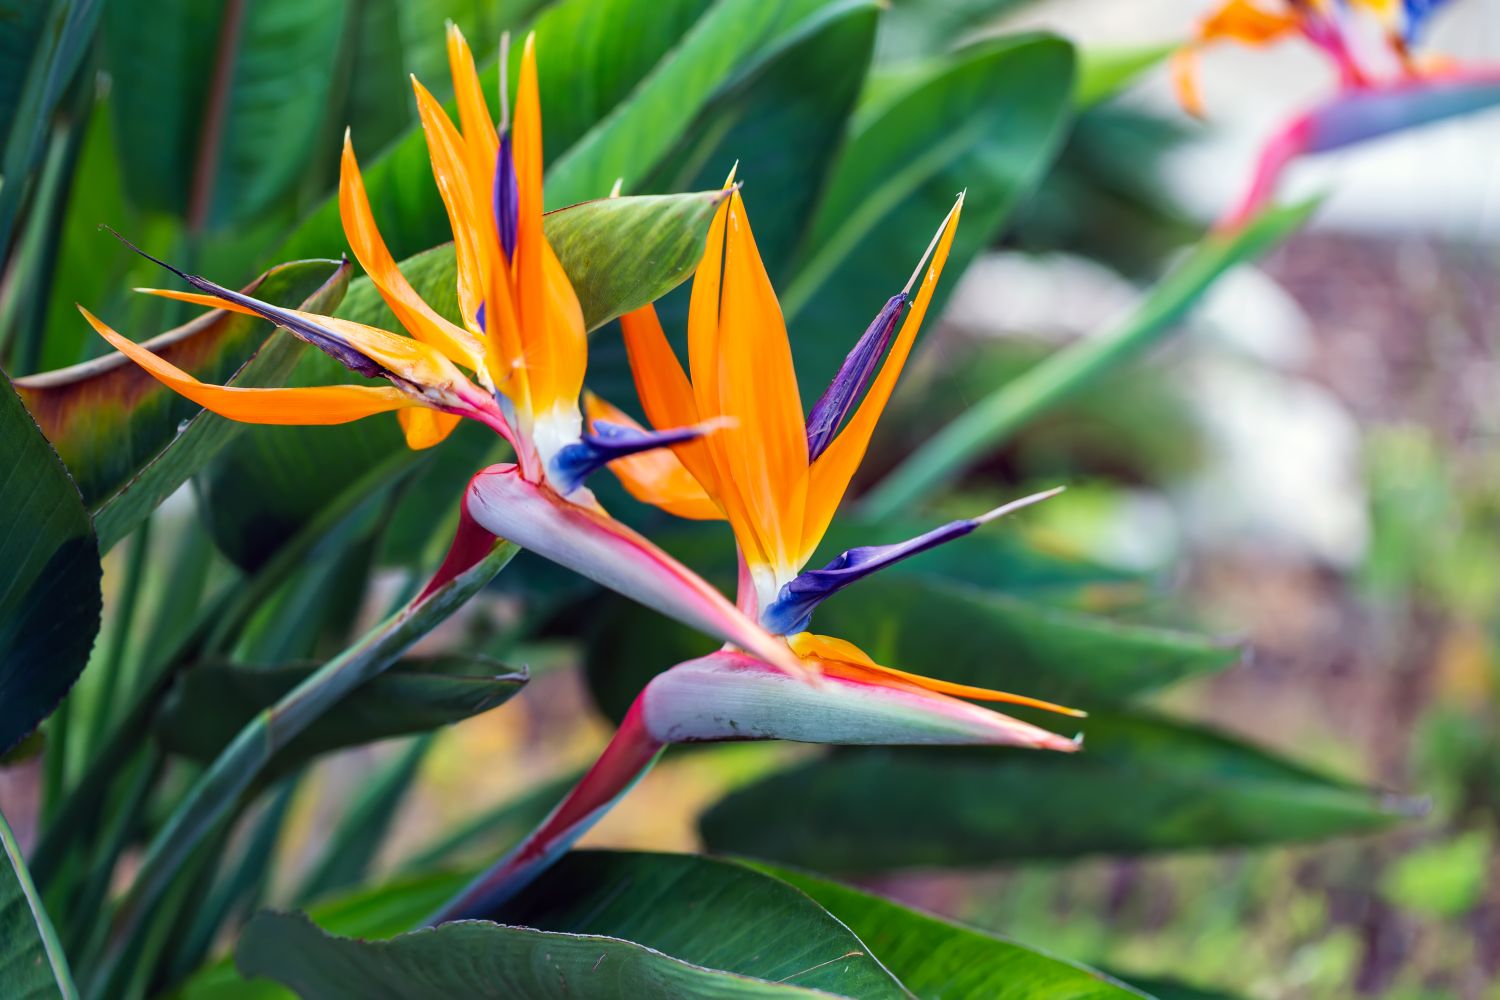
(947, 630)
(480, 960)
(937, 959)
(129, 440)
(1102, 73)
(1142, 784)
(55, 56)
(621, 253)
(210, 702)
(989, 120)
(964, 634)
(986, 424)
(713, 913)
(236, 769)
(219, 107)
(619, 82)
(32, 963)
(783, 123)
(49, 590)
(19, 45)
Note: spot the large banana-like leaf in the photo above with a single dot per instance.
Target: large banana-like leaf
(1141, 784)
(49, 587)
(219, 107)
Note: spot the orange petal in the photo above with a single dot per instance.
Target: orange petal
(665, 392)
(413, 360)
(551, 322)
(201, 299)
(655, 477)
(766, 443)
(830, 474)
(370, 250)
(424, 428)
(839, 653)
(1245, 22)
(481, 140)
(335, 404)
(469, 217)
(1184, 70)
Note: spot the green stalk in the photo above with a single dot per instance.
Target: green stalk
(85, 931)
(218, 789)
(216, 626)
(136, 558)
(980, 429)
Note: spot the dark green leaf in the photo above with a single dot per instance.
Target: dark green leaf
(218, 107)
(32, 963)
(989, 121)
(49, 588)
(479, 960)
(937, 959)
(1140, 785)
(713, 913)
(20, 42)
(211, 702)
(961, 633)
(783, 123)
(129, 440)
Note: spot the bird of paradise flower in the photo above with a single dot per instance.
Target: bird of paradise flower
(1385, 84)
(778, 479)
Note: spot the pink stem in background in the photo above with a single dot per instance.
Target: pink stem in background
(1285, 146)
(628, 757)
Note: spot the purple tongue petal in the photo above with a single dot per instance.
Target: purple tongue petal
(793, 608)
(576, 462)
(321, 337)
(507, 197)
(853, 376)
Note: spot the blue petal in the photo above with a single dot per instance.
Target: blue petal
(793, 608)
(576, 462)
(324, 339)
(1417, 13)
(1369, 114)
(853, 377)
(507, 197)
